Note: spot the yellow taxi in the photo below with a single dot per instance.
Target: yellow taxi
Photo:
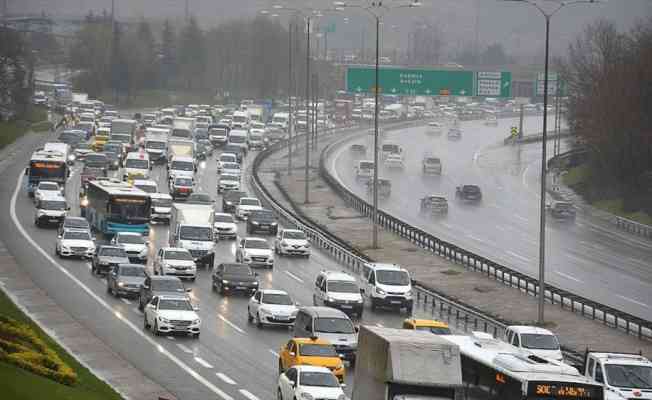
(430, 325)
(310, 351)
(100, 138)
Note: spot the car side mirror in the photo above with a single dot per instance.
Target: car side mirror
(195, 308)
(362, 291)
(188, 290)
(357, 329)
(68, 208)
(145, 286)
(26, 170)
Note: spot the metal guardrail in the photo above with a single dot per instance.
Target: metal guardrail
(633, 227)
(466, 318)
(609, 316)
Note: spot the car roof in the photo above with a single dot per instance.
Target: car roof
(129, 234)
(377, 266)
(110, 246)
(311, 368)
(183, 158)
(273, 291)
(250, 198)
(292, 230)
(164, 278)
(222, 214)
(338, 276)
(324, 312)
(436, 196)
(315, 340)
(160, 196)
(530, 329)
(48, 182)
(70, 219)
(174, 249)
(48, 195)
(258, 239)
(144, 182)
(427, 322)
(172, 296)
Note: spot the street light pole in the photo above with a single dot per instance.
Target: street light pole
(290, 98)
(307, 172)
(374, 215)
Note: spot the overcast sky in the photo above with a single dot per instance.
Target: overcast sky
(519, 27)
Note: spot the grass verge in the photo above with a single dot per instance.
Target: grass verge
(19, 384)
(157, 98)
(579, 175)
(34, 119)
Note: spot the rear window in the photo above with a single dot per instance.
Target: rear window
(366, 165)
(317, 350)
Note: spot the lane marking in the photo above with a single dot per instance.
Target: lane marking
(248, 395)
(475, 238)
(171, 338)
(89, 265)
(203, 362)
(291, 275)
(569, 277)
(633, 301)
(274, 353)
(184, 348)
(518, 256)
(225, 378)
(136, 329)
(380, 325)
(231, 324)
(126, 301)
(521, 218)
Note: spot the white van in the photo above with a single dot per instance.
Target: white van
(240, 120)
(387, 285)
(240, 138)
(338, 290)
(364, 170)
(538, 341)
(136, 165)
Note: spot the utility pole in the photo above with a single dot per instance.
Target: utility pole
(290, 79)
(374, 216)
(306, 196)
(315, 99)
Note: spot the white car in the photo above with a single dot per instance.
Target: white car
(271, 307)
(134, 244)
(231, 168)
(394, 161)
(146, 185)
(47, 189)
(224, 226)
(228, 182)
(254, 252)
(175, 261)
(75, 243)
(246, 206)
(292, 242)
(172, 314)
(309, 382)
(225, 158)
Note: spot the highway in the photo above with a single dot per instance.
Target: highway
(231, 360)
(587, 257)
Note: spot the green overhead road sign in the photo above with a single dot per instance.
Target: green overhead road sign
(422, 82)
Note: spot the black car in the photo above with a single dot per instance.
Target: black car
(230, 199)
(96, 160)
(72, 137)
(232, 277)
(77, 223)
(200, 198)
(125, 280)
(159, 285)
(469, 193)
(263, 220)
(107, 257)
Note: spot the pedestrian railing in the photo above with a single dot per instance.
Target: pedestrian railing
(633, 227)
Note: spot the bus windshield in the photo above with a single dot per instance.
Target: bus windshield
(182, 166)
(49, 169)
(129, 208)
(136, 163)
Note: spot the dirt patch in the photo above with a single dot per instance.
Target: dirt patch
(451, 272)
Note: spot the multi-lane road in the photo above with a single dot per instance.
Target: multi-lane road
(588, 257)
(231, 360)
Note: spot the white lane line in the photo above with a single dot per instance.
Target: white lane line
(501, 228)
(89, 265)
(171, 338)
(248, 395)
(225, 378)
(568, 276)
(521, 218)
(273, 352)
(477, 239)
(126, 301)
(594, 245)
(518, 256)
(633, 301)
(231, 324)
(203, 362)
(291, 275)
(378, 324)
(136, 329)
(184, 348)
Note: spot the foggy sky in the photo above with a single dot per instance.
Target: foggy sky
(519, 27)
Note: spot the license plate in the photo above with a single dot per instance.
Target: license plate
(395, 302)
(282, 318)
(54, 219)
(240, 287)
(346, 306)
(341, 355)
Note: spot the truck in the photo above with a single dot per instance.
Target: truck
(257, 113)
(191, 228)
(624, 375)
(183, 128)
(78, 98)
(401, 364)
(281, 120)
(180, 148)
(343, 110)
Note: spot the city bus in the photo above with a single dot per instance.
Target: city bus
(46, 165)
(495, 370)
(112, 206)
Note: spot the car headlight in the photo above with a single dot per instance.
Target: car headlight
(380, 291)
(71, 157)
(306, 396)
(164, 320)
(408, 293)
(284, 243)
(255, 283)
(229, 203)
(121, 284)
(65, 248)
(225, 282)
(103, 262)
(254, 222)
(273, 224)
(196, 322)
(307, 245)
(330, 299)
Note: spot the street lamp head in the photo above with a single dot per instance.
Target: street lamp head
(277, 7)
(339, 4)
(415, 4)
(264, 12)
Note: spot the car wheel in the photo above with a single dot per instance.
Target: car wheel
(250, 319)
(156, 332)
(259, 322)
(141, 306)
(279, 395)
(221, 291)
(195, 335)
(109, 290)
(145, 324)
(374, 306)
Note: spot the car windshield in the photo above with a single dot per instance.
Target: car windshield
(317, 350)
(131, 239)
(112, 252)
(319, 379)
(95, 159)
(392, 278)
(155, 145)
(182, 166)
(237, 269)
(167, 285)
(224, 218)
(57, 205)
(471, 189)
(228, 177)
(174, 304)
(183, 182)
(629, 376)
(48, 186)
(177, 255)
(237, 139)
(227, 158)
(539, 342)
(113, 148)
(218, 131)
(195, 233)
(83, 146)
(132, 271)
(121, 138)
(75, 223)
(390, 148)
(147, 188)
(367, 165)
(136, 163)
(249, 202)
(432, 160)
(161, 202)
(262, 216)
(563, 206)
(342, 287)
(76, 235)
(277, 298)
(230, 165)
(294, 235)
(333, 325)
(256, 244)
(437, 330)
